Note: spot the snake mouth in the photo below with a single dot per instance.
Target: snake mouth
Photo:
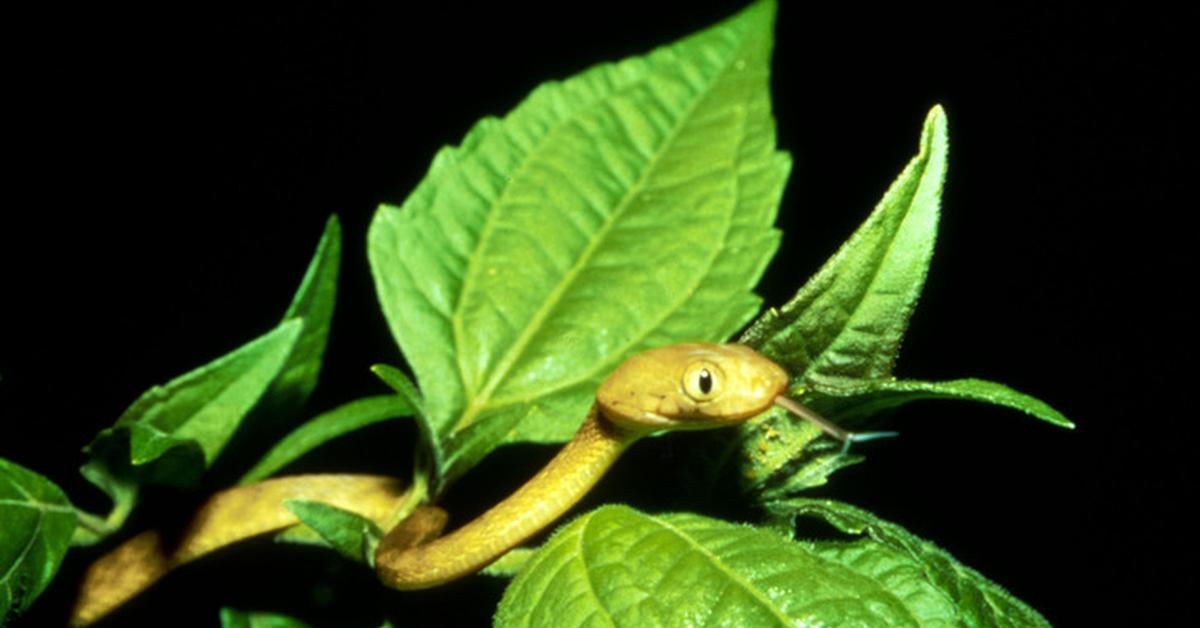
(653, 419)
(693, 422)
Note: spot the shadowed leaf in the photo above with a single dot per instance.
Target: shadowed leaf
(36, 523)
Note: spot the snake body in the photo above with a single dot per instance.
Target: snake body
(688, 386)
(680, 387)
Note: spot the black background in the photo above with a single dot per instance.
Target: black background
(170, 171)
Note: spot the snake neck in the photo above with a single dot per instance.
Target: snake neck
(538, 503)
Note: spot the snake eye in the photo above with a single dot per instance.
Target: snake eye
(702, 381)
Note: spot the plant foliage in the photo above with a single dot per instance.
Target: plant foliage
(627, 207)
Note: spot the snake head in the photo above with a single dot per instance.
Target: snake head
(691, 386)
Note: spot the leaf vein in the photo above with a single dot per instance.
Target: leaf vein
(734, 576)
(34, 504)
(666, 313)
(587, 573)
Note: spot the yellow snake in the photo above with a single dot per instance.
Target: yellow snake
(692, 386)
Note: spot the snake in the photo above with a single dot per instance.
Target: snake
(688, 386)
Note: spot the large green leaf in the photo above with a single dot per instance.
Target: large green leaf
(36, 523)
(616, 566)
(977, 600)
(627, 207)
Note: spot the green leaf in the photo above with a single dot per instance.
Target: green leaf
(300, 534)
(399, 382)
(855, 404)
(427, 458)
(977, 600)
(627, 207)
(313, 303)
(351, 534)
(233, 618)
(618, 566)
(327, 426)
(428, 451)
(779, 455)
(174, 431)
(845, 325)
(36, 523)
(842, 330)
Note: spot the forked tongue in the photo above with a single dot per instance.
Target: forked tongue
(827, 426)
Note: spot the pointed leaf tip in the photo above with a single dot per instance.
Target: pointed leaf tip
(935, 133)
(352, 535)
(314, 303)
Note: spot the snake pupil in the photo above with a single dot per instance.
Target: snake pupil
(705, 381)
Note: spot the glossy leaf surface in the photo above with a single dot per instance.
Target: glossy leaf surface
(627, 207)
(619, 567)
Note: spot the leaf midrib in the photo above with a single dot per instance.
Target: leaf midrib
(587, 573)
(720, 564)
(33, 504)
(33, 536)
(922, 161)
(481, 401)
(268, 349)
(604, 366)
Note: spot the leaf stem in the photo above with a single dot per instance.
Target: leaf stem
(91, 528)
(417, 494)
